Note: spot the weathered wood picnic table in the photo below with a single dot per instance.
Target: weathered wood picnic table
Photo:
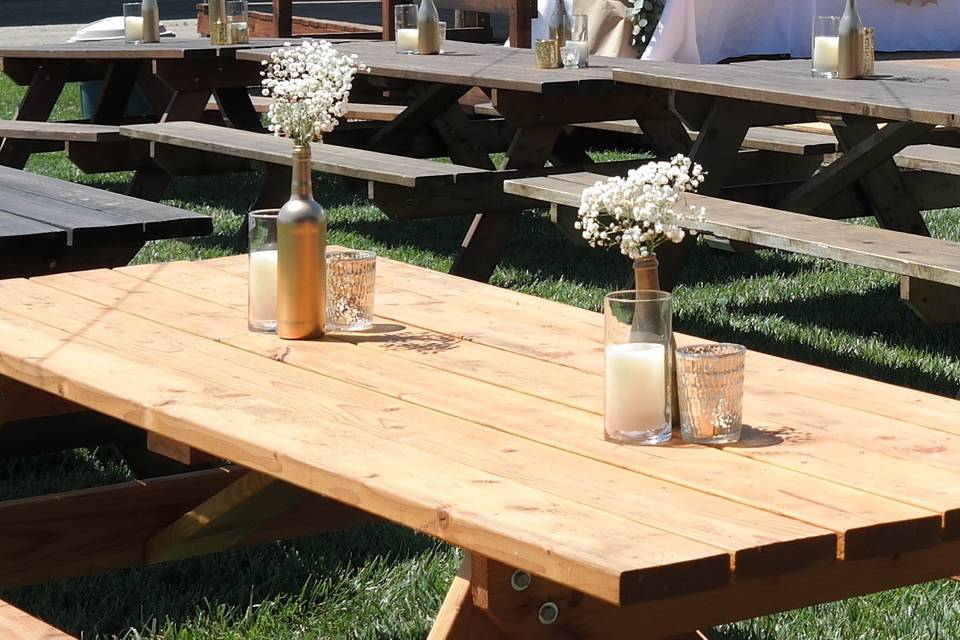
(176, 77)
(473, 414)
(720, 102)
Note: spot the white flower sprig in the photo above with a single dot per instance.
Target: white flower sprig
(642, 211)
(309, 84)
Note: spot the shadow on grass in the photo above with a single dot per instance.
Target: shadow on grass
(176, 593)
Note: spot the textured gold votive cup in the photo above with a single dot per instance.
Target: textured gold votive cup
(869, 51)
(547, 54)
(710, 385)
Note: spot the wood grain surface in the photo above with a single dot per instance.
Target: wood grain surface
(455, 414)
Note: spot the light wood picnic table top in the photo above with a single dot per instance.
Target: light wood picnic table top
(474, 414)
(167, 48)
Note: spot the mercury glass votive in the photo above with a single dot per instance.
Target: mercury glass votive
(546, 54)
(869, 51)
(710, 385)
(351, 278)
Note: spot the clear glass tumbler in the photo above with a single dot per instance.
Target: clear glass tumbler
(578, 41)
(238, 27)
(405, 23)
(262, 282)
(351, 279)
(826, 47)
(636, 408)
(710, 385)
(133, 22)
(443, 36)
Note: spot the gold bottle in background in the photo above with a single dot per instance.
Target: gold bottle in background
(851, 43)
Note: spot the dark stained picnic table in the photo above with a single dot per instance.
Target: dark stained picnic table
(721, 102)
(176, 76)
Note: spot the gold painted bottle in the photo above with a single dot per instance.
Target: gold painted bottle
(559, 25)
(217, 19)
(851, 43)
(301, 258)
(646, 276)
(428, 28)
(150, 13)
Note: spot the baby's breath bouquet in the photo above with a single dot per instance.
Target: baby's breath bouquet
(642, 211)
(309, 84)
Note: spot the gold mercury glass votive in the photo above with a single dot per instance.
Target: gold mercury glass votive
(869, 51)
(547, 54)
(351, 277)
(710, 385)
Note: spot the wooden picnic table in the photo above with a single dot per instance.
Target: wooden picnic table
(720, 102)
(473, 414)
(176, 76)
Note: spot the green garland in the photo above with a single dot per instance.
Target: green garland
(645, 15)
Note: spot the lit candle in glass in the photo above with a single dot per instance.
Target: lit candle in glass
(405, 23)
(262, 279)
(637, 407)
(826, 46)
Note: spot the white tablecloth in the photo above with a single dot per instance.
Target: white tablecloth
(707, 31)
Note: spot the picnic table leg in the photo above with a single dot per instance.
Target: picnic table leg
(41, 96)
(150, 183)
(717, 145)
(237, 107)
(935, 303)
(490, 233)
(115, 95)
(491, 601)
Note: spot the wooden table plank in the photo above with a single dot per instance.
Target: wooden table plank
(517, 413)
(23, 234)
(84, 208)
(780, 545)
(470, 64)
(900, 99)
(168, 48)
(175, 385)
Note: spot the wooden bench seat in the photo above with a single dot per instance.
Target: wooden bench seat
(402, 187)
(358, 111)
(59, 131)
(49, 225)
(16, 624)
(930, 268)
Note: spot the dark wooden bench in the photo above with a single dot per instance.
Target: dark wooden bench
(404, 188)
(94, 148)
(929, 268)
(16, 624)
(48, 225)
(359, 111)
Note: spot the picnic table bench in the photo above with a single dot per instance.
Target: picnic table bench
(929, 267)
(402, 187)
(474, 414)
(48, 225)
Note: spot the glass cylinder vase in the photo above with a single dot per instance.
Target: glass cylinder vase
(637, 366)
(301, 261)
(825, 47)
(405, 28)
(262, 280)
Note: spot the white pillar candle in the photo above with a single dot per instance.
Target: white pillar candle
(407, 40)
(583, 48)
(826, 54)
(635, 398)
(263, 286)
(133, 28)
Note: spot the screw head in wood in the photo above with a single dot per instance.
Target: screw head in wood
(548, 613)
(520, 580)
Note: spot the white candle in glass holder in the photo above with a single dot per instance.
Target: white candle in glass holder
(826, 54)
(133, 28)
(635, 398)
(583, 48)
(407, 40)
(263, 285)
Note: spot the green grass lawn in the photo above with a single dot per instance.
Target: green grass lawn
(385, 582)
